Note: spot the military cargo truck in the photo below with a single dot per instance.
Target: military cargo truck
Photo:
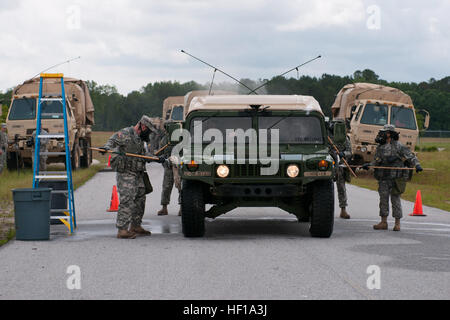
(173, 109)
(367, 108)
(302, 185)
(21, 121)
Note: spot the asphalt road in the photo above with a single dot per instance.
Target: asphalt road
(248, 254)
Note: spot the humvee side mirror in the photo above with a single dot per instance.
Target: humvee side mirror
(340, 133)
(426, 122)
(170, 128)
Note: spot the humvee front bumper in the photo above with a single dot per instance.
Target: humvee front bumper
(257, 191)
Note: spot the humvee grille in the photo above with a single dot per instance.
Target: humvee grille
(248, 170)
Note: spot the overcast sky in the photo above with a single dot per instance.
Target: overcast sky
(129, 43)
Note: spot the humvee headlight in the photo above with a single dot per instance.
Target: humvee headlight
(323, 165)
(293, 171)
(363, 149)
(223, 171)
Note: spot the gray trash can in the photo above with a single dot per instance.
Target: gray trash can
(32, 213)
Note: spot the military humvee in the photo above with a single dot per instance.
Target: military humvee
(368, 107)
(302, 185)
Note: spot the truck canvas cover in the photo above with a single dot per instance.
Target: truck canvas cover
(347, 97)
(76, 92)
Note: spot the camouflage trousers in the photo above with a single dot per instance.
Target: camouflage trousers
(131, 190)
(385, 192)
(170, 178)
(2, 161)
(342, 191)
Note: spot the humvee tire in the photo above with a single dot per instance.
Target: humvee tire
(322, 218)
(192, 209)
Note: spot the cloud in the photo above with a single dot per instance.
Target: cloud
(129, 43)
(323, 13)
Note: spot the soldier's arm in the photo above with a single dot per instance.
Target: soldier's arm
(409, 156)
(116, 140)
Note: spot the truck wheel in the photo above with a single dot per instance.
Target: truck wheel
(192, 209)
(11, 161)
(76, 157)
(86, 159)
(322, 218)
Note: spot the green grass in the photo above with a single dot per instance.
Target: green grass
(434, 185)
(10, 180)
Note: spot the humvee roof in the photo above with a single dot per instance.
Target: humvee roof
(243, 102)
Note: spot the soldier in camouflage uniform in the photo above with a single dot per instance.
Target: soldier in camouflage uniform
(343, 176)
(170, 178)
(43, 148)
(3, 146)
(391, 183)
(130, 176)
(342, 172)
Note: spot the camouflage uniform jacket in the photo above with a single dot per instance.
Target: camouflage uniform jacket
(162, 143)
(3, 141)
(43, 142)
(126, 141)
(393, 154)
(154, 141)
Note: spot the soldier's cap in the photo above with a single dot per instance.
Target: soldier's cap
(389, 127)
(4, 126)
(146, 121)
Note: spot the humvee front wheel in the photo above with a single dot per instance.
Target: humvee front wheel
(192, 209)
(322, 217)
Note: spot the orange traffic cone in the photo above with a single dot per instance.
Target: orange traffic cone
(114, 207)
(418, 210)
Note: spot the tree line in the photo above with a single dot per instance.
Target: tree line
(114, 110)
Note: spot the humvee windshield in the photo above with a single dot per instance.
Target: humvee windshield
(23, 109)
(221, 123)
(403, 118)
(51, 110)
(375, 115)
(294, 130)
(178, 113)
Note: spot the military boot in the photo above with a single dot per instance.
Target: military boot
(125, 234)
(382, 225)
(141, 231)
(163, 211)
(344, 214)
(397, 225)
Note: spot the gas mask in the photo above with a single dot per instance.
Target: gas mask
(381, 137)
(145, 134)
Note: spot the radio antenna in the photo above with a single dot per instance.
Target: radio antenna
(215, 70)
(295, 68)
(56, 65)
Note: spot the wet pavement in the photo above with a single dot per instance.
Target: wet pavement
(250, 253)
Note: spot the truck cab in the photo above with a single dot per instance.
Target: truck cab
(368, 118)
(21, 122)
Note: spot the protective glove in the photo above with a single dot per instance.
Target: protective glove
(419, 168)
(162, 160)
(105, 150)
(366, 166)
